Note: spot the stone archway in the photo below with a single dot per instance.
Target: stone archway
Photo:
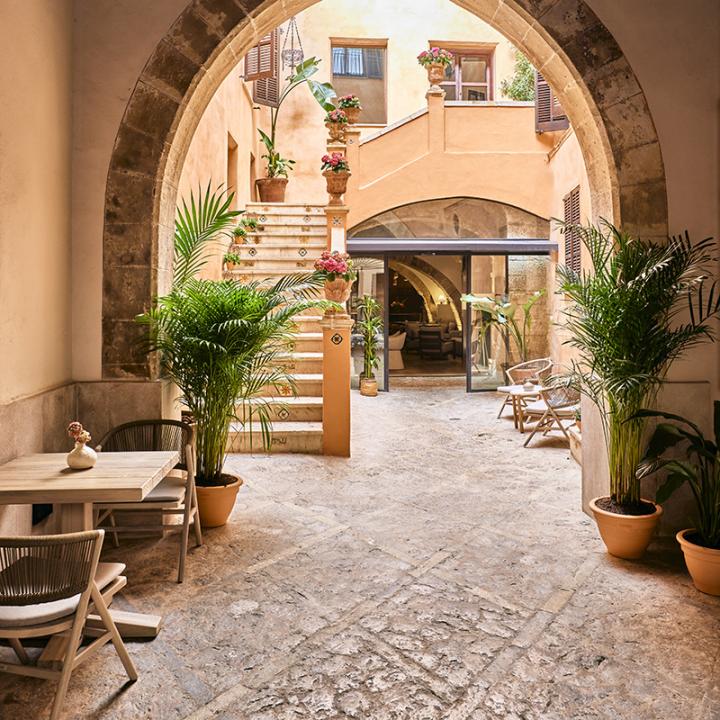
(563, 38)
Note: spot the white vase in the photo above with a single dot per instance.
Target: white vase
(81, 457)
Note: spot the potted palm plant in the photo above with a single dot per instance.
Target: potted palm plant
(220, 342)
(700, 469)
(272, 188)
(369, 325)
(626, 322)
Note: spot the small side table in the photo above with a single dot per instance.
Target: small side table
(519, 395)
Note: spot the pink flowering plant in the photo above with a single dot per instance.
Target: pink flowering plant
(349, 101)
(336, 116)
(435, 56)
(335, 162)
(333, 265)
(77, 433)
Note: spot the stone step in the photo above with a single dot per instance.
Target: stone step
(306, 385)
(285, 265)
(279, 251)
(294, 409)
(287, 437)
(308, 321)
(249, 274)
(287, 227)
(308, 342)
(288, 237)
(277, 209)
(301, 362)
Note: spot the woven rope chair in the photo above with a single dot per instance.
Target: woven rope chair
(48, 587)
(174, 495)
(555, 405)
(539, 370)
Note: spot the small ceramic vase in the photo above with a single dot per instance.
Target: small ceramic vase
(81, 457)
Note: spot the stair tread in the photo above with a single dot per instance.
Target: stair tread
(298, 400)
(302, 355)
(288, 427)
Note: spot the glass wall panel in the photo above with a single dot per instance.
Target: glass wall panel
(371, 281)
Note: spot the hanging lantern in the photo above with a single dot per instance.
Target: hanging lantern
(292, 53)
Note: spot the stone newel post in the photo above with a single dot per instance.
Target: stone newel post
(336, 384)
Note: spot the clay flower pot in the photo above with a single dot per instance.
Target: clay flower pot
(337, 290)
(230, 265)
(703, 563)
(353, 114)
(626, 536)
(368, 387)
(271, 189)
(336, 185)
(336, 131)
(436, 73)
(215, 503)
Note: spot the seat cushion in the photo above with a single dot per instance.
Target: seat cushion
(537, 407)
(171, 489)
(40, 613)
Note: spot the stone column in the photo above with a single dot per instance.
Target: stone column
(336, 384)
(436, 119)
(336, 227)
(352, 153)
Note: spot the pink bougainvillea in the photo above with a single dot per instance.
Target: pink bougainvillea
(332, 265)
(435, 56)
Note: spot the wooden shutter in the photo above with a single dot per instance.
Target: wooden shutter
(573, 246)
(262, 60)
(549, 114)
(266, 88)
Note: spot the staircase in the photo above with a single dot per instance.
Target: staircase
(288, 240)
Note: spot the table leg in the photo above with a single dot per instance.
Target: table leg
(521, 424)
(75, 517)
(514, 410)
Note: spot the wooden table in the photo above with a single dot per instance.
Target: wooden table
(117, 477)
(519, 394)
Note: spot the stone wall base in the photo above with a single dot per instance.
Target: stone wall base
(37, 424)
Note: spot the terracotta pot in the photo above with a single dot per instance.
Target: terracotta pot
(368, 387)
(703, 564)
(336, 185)
(436, 73)
(337, 290)
(230, 265)
(216, 503)
(271, 189)
(353, 114)
(336, 131)
(626, 536)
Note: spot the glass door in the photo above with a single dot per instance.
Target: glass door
(372, 281)
(485, 344)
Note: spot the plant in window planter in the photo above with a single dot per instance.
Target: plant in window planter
(336, 172)
(369, 326)
(627, 321)
(435, 60)
(699, 467)
(221, 342)
(272, 188)
(336, 121)
(336, 271)
(231, 260)
(350, 105)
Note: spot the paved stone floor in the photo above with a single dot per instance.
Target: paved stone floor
(442, 572)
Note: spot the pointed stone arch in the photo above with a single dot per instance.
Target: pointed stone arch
(563, 38)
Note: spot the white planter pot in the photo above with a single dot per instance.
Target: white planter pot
(81, 457)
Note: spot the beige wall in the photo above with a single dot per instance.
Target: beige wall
(35, 130)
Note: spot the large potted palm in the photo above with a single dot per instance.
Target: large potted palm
(221, 343)
(369, 325)
(640, 308)
(698, 466)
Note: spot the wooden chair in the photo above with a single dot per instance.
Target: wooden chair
(49, 586)
(532, 369)
(555, 405)
(174, 495)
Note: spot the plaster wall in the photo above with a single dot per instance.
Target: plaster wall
(35, 132)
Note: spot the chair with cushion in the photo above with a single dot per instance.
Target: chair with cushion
(174, 495)
(555, 405)
(537, 370)
(396, 341)
(52, 586)
(433, 346)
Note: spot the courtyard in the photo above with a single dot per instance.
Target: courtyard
(441, 572)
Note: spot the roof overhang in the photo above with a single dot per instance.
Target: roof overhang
(455, 246)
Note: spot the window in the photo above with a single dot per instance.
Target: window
(469, 78)
(549, 114)
(262, 66)
(358, 68)
(573, 245)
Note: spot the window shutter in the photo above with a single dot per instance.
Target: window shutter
(549, 114)
(261, 62)
(266, 88)
(573, 244)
